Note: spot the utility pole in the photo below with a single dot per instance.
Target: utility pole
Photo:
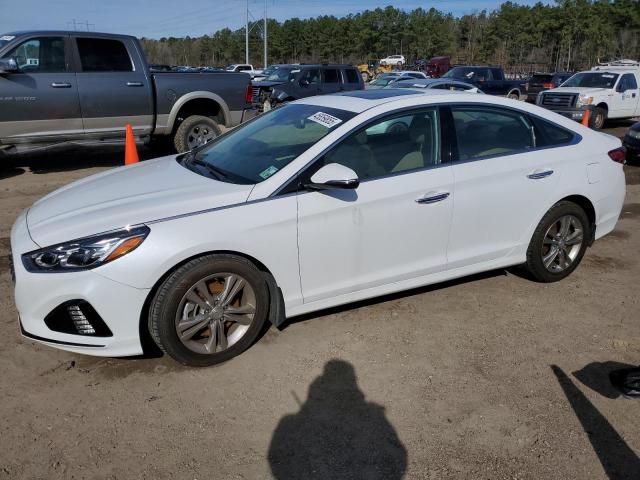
(246, 35)
(265, 34)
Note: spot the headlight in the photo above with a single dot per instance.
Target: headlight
(583, 100)
(85, 253)
(634, 134)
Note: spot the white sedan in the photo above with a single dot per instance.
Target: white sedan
(307, 207)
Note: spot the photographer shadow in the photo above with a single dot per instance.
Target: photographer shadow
(337, 434)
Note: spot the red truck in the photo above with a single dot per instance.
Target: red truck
(435, 67)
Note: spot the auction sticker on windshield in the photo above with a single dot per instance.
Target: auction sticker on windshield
(268, 172)
(325, 119)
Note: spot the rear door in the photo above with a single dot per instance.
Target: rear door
(113, 87)
(503, 180)
(331, 80)
(41, 101)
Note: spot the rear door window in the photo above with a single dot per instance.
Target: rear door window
(41, 55)
(352, 76)
(331, 75)
(103, 55)
(549, 134)
(487, 132)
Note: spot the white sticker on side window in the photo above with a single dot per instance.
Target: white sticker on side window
(8, 38)
(325, 119)
(607, 75)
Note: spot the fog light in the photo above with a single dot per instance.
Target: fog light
(80, 321)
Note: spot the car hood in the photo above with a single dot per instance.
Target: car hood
(148, 191)
(589, 91)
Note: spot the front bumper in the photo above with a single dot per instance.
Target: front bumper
(571, 113)
(39, 294)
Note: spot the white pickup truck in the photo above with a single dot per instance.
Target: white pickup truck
(244, 68)
(607, 90)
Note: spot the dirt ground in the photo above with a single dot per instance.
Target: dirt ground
(490, 377)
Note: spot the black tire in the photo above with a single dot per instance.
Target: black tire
(183, 141)
(534, 263)
(163, 310)
(597, 118)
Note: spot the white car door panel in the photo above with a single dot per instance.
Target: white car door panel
(497, 201)
(388, 230)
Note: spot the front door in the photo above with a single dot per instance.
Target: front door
(40, 102)
(625, 100)
(114, 90)
(394, 226)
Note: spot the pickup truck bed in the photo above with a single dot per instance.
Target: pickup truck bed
(72, 86)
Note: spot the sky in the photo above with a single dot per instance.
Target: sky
(164, 18)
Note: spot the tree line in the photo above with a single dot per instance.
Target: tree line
(564, 36)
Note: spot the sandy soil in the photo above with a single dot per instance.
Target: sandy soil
(492, 377)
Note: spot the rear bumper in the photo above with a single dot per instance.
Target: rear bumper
(633, 149)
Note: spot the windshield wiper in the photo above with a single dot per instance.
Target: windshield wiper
(216, 172)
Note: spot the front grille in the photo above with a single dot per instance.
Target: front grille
(558, 100)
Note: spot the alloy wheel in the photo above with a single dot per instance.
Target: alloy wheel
(562, 243)
(215, 313)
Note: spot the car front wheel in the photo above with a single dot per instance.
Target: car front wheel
(209, 310)
(558, 243)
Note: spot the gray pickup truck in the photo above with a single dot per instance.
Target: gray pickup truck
(60, 87)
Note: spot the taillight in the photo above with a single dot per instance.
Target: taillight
(248, 96)
(548, 85)
(618, 155)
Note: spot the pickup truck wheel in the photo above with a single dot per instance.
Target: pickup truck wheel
(514, 96)
(195, 131)
(598, 117)
(365, 76)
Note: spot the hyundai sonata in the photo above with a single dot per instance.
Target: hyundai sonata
(307, 207)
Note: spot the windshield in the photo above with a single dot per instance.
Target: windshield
(231, 68)
(258, 149)
(281, 75)
(383, 81)
(460, 72)
(592, 79)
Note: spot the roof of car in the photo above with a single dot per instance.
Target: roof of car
(360, 100)
(21, 33)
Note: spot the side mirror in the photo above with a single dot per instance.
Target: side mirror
(9, 65)
(621, 89)
(304, 83)
(334, 177)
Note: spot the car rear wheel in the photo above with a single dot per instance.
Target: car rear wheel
(209, 310)
(194, 131)
(558, 243)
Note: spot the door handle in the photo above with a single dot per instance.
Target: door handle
(538, 175)
(433, 198)
(61, 85)
(134, 84)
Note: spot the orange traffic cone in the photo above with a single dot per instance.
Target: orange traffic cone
(130, 150)
(585, 118)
